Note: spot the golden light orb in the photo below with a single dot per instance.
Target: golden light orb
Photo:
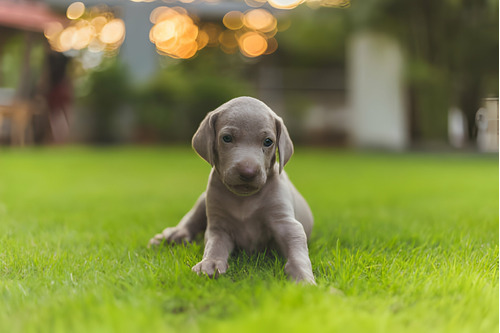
(75, 10)
(285, 4)
(252, 44)
(66, 39)
(112, 32)
(52, 30)
(260, 19)
(83, 36)
(233, 20)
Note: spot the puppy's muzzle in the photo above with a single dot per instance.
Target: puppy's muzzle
(245, 178)
(247, 173)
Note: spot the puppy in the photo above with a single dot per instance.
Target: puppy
(250, 202)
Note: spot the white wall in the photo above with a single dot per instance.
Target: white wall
(376, 92)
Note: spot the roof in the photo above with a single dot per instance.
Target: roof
(32, 16)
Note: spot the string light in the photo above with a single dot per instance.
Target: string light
(175, 33)
(96, 29)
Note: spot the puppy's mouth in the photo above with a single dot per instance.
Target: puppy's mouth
(243, 189)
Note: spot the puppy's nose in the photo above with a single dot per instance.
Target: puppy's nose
(247, 173)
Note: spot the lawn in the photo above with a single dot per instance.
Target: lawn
(401, 243)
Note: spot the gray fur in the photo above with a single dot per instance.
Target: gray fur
(249, 202)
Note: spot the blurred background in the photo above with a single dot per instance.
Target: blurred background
(383, 74)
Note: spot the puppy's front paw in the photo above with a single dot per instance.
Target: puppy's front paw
(300, 272)
(176, 235)
(211, 267)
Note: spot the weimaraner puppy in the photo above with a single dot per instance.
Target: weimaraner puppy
(249, 203)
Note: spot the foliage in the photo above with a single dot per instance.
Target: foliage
(107, 92)
(401, 243)
(451, 48)
(15, 73)
(314, 39)
(173, 103)
(170, 106)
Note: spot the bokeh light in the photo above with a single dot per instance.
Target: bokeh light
(75, 10)
(95, 29)
(228, 41)
(53, 29)
(255, 3)
(175, 34)
(260, 19)
(233, 20)
(252, 44)
(65, 40)
(272, 46)
(213, 31)
(96, 46)
(112, 32)
(202, 39)
(83, 35)
(285, 4)
(98, 23)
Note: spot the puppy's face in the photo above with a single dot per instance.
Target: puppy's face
(240, 139)
(245, 147)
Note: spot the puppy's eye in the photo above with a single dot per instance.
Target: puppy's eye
(227, 138)
(268, 142)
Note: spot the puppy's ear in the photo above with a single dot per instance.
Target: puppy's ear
(285, 145)
(204, 139)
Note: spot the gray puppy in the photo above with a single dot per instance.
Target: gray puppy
(249, 203)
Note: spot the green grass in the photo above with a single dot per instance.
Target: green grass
(402, 243)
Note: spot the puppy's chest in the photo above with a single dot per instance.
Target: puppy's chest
(247, 227)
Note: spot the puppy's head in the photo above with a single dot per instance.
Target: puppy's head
(241, 140)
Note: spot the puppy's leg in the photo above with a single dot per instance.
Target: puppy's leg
(194, 222)
(292, 241)
(218, 246)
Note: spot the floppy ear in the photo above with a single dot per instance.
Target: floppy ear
(204, 139)
(285, 145)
